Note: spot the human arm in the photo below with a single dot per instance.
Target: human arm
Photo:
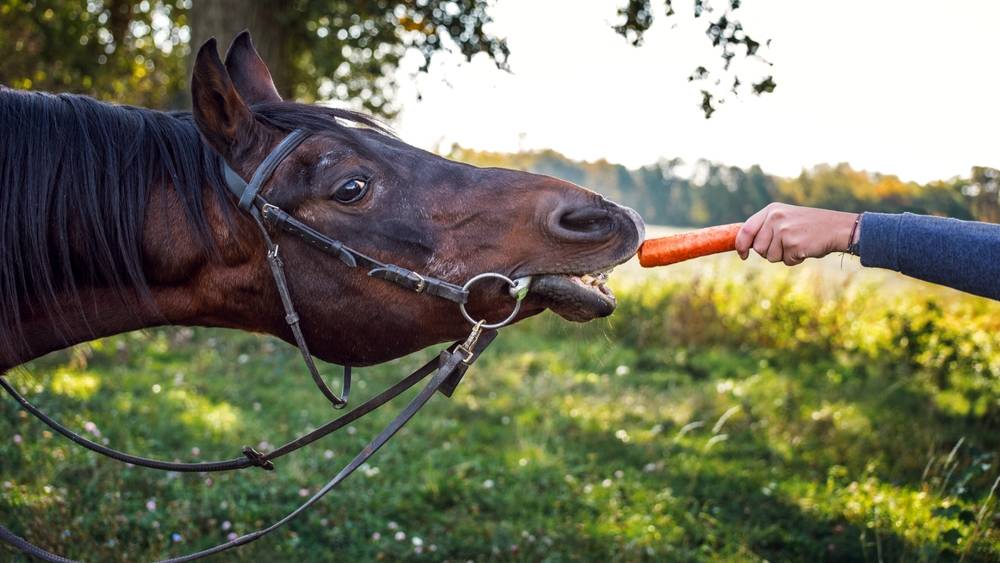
(964, 255)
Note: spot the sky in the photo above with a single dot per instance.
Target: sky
(905, 87)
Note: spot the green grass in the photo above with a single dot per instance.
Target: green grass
(727, 412)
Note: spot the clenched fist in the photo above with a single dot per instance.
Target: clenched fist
(790, 234)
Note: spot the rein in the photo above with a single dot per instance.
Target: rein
(448, 368)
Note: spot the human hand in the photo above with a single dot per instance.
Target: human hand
(790, 234)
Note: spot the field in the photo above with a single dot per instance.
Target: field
(726, 412)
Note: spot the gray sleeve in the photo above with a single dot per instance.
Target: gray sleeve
(964, 255)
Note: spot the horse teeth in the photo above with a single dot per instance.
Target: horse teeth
(594, 280)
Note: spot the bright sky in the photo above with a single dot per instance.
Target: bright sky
(909, 87)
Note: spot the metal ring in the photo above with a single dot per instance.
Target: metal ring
(483, 276)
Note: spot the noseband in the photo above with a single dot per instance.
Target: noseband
(448, 368)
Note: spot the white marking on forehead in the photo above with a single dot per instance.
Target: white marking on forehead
(330, 158)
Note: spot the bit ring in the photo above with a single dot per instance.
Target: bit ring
(487, 275)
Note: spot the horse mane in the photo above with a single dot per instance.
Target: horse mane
(76, 175)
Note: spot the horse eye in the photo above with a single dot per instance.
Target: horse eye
(351, 191)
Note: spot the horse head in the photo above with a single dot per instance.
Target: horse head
(397, 203)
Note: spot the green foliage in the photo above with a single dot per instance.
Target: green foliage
(137, 52)
(130, 52)
(722, 414)
(669, 193)
(349, 50)
(724, 32)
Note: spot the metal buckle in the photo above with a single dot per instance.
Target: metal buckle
(256, 458)
(469, 345)
(482, 323)
(421, 282)
(269, 211)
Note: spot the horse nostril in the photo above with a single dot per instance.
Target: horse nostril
(582, 223)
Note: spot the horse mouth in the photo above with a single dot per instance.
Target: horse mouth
(575, 297)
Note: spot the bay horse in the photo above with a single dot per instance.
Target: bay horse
(120, 218)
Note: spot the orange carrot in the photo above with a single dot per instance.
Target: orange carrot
(677, 248)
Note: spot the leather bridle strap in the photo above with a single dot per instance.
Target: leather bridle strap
(247, 192)
(294, 322)
(250, 199)
(264, 213)
(398, 275)
(252, 456)
(451, 367)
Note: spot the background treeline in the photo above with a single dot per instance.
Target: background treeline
(672, 192)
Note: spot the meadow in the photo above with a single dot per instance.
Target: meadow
(728, 411)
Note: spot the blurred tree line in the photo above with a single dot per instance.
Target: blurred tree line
(672, 192)
(138, 52)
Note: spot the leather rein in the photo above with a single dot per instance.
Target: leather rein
(447, 369)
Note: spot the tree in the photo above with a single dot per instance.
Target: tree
(984, 191)
(323, 49)
(132, 52)
(137, 51)
(726, 34)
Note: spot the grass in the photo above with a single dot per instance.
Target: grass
(727, 412)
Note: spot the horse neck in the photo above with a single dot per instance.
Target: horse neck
(186, 282)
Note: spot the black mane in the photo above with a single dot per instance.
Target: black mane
(75, 180)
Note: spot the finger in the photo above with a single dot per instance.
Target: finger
(774, 250)
(762, 242)
(793, 256)
(749, 231)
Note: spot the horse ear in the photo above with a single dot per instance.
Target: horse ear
(248, 71)
(221, 115)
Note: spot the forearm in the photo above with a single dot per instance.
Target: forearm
(964, 255)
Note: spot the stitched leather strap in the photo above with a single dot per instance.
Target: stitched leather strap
(398, 275)
(450, 365)
(247, 192)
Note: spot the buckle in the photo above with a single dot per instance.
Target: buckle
(421, 281)
(468, 347)
(257, 458)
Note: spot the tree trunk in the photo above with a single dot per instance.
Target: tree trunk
(223, 19)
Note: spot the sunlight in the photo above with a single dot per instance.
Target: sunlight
(202, 415)
(75, 385)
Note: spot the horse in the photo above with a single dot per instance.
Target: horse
(119, 218)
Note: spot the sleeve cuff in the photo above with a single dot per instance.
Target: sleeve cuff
(877, 245)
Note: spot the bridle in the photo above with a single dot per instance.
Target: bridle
(448, 368)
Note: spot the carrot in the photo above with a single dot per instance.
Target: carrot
(677, 248)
